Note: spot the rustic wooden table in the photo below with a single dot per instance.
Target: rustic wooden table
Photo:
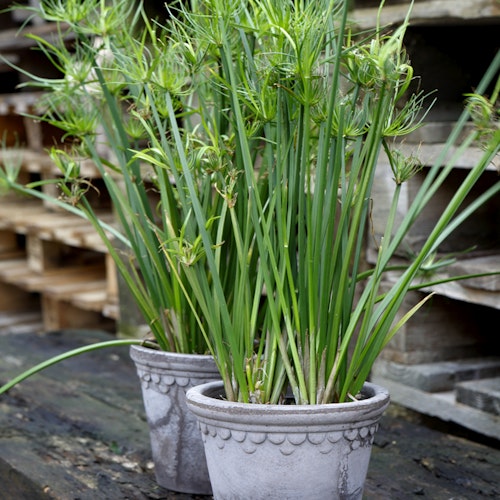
(78, 431)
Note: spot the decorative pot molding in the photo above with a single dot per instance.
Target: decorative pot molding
(160, 374)
(288, 444)
(287, 451)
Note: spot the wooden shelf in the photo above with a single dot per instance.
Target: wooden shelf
(425, 12)
(472, 295)
(62, 260)
(428, 142)
(50, 259)
(450, 44)
(19, 274)
(19, 102)
(13, 40)
(441, 405)
(30, 217)
(481, 291)
(430, 153)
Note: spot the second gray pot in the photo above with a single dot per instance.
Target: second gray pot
(176, 444)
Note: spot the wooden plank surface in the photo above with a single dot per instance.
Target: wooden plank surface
(64, 314)
(481, 394)
(11, 268)
(440, 376)
(78, 431)
(69, 289)
(26, 279)
(444, 407)
(91, 300)
(426, 12)
(30, 217)
(443, 329)
(13, 213)
(31, 161)
(14, 299)
(30, 321)
(489, 263)
(7, 241)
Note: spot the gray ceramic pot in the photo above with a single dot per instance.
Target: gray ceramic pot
(287, 451)
(176, 443)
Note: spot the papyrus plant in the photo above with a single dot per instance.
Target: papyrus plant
(260, 124)
(307, 106)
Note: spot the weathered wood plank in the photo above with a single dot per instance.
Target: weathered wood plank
(11, 268)
(479, 265)
(42, 254)
(481, 394)
(111, 278)
(440, 376)
(444, 408)
(64, 290)
(13, 298)
(78, 431)
(12, 321)
(12, 213)
(63, 314)
(36, 282)
(443, 329)
(426, 11)
(92, 300)
(8, 241)
(30, 217)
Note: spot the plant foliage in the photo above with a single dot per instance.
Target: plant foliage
(259, 124)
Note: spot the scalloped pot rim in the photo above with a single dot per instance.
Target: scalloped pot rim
(156, 358)
(203, 401)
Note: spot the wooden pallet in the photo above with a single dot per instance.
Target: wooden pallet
(55, 261)
(24, 321)
(424, 11)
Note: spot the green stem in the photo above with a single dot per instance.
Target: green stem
(69, 354)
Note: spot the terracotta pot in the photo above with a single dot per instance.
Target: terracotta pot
(287, 451)
(176, 443)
